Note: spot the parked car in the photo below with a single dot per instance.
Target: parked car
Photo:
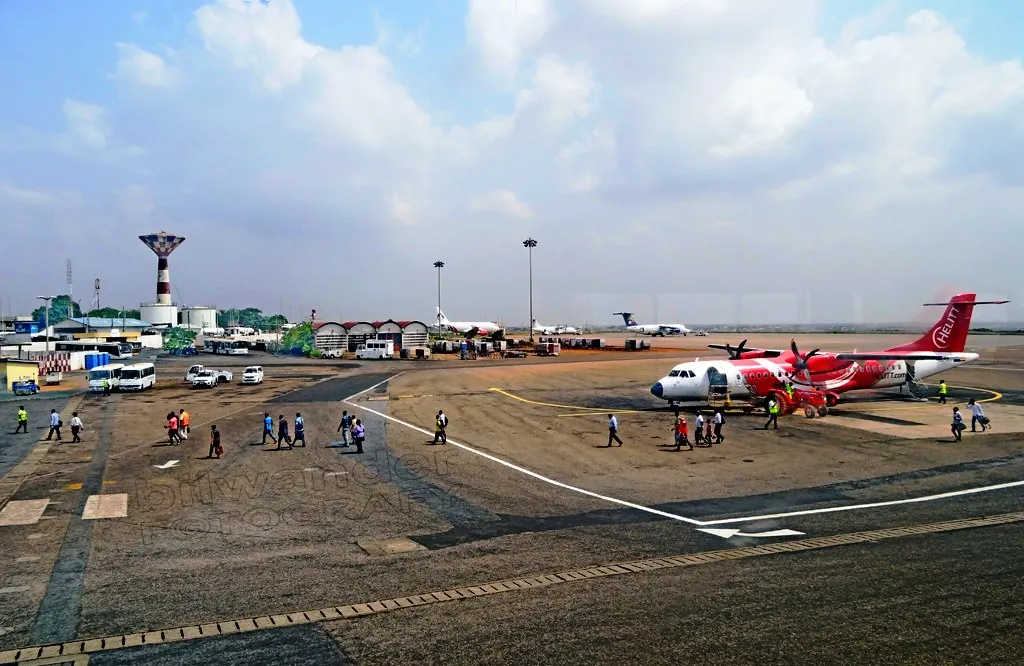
(332, 353)
(204, 379)
(26, 387)
(252, 375)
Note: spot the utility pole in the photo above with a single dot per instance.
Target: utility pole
(529, 244)
(46, 331)
(439, 265)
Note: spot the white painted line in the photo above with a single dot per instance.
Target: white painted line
(335, 473)
(37, 535)
(728, 533)
(872, 505)
(28, 558)
(106, 506)
(517, 468)
(23, 512)
(665, 514)
(13, 590)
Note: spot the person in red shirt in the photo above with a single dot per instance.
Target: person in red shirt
(172, 429)
(682, 432)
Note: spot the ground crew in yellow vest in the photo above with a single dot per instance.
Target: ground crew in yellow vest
(106, 387)
(789, 390)
(22, 421)
(943, 390)
(773, 414)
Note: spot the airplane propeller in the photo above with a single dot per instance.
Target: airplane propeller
(800, 362)
(734, 352)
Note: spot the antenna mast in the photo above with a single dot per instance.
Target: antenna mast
(67, 274)
(96, 294)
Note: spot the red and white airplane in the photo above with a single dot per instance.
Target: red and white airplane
(759, 371)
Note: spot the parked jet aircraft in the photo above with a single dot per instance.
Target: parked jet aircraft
(468, 328)
(561, 329)
(652, 329)
(760, 370)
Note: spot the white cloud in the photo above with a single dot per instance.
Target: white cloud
(502, 202)
(661, 118)
(501, 32)
(139, 66)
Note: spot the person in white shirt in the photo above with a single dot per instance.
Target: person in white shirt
(613, 430)
(719, 421)
(54, 425)
(698, 433)
(76, 428)
(977, 416)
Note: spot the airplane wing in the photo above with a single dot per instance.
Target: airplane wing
(886, 356)
(745, 348)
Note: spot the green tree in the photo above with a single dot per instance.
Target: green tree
(178, 338)
(249, 317)
(61, 309)
(299, 338)
(114, 313)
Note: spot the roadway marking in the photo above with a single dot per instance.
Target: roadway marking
(14, 590)
(23, 512)
(594, 410)
(665, 514)
(521, 470)
(28, 558)
(106, 506)
(71, 649)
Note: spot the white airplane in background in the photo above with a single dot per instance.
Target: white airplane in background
(554, 330)
(468, 328)
(652, 329)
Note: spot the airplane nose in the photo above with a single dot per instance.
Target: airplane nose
(658, 391)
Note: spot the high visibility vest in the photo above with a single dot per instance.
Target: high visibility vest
(773, 408)
(789, 391)
(437, 424)
(22, 416)
(942, 389)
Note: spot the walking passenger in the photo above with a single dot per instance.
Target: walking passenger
(215, 447)
(345, 427)
(977, 416)
(55, 424)
(268, 428)
(282, 431)
(358, 435)
(300, 430)
(698, 430)
(719, 422)
(172, 429)
(613, 430)
(681, 433)
(184, 418)
(76, 428)
(958, 424)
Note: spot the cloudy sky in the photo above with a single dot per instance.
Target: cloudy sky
(691, 161)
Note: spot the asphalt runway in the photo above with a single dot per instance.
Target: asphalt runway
(449, 554)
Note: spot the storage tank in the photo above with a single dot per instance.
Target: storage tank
(92, 360)
(197, 317)
(159, 314)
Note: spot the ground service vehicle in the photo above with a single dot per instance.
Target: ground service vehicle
(253, 375)
(376, 349)
(137, 377)
(105, 373)
(220, 375)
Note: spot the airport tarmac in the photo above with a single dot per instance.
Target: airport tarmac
(864, 536)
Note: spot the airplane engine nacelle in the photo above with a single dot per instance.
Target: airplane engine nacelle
(831, 399)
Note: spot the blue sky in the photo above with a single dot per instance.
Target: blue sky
(604, 132)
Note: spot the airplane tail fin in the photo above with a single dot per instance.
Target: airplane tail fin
(441, 318)
(628, 318)
(949, 334)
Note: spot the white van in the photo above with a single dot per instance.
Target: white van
(137, 377)
(378, 349)
(109, 373)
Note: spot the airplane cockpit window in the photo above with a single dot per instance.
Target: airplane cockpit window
(674, 373)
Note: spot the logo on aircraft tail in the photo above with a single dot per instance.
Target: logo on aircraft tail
(942, 332)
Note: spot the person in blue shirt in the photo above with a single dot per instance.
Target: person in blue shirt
(268, 428)
(300, 430)
(345, 427)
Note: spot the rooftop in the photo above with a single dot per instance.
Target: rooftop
(110, 322)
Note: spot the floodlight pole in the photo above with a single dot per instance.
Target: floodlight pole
(529, 244)
(439, 265)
